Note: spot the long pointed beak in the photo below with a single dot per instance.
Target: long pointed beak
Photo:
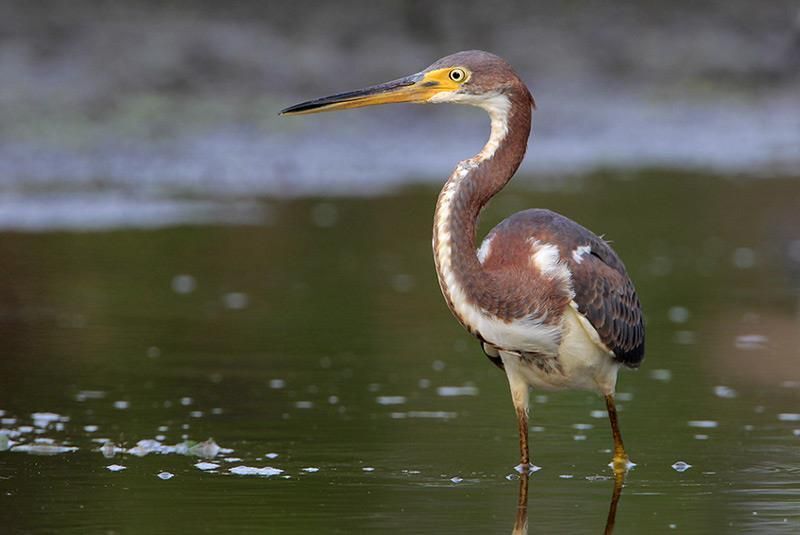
(414, 88)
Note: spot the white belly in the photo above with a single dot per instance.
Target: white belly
(585, 364)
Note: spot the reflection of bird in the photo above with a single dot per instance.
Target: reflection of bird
(521, 516)
(549, 301)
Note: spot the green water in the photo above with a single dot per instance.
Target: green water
(321, 336)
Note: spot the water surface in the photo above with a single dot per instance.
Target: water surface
(314, 341)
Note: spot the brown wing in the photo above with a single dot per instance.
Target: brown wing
(603, 291)
(605, 295)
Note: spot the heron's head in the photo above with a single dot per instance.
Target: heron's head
(472, 77)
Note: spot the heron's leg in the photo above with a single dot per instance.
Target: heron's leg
(620, 457)
(519, 395)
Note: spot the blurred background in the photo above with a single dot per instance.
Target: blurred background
(178, 262)
(111, 112)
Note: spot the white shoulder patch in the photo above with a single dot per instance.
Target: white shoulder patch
(485, 249)
(547, 259)
(580, 251)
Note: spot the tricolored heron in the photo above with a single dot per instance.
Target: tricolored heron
(549, 301)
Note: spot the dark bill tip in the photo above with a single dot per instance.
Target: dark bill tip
(317, 104)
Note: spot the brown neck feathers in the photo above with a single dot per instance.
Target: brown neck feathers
(470, 187)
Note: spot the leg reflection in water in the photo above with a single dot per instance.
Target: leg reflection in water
(521, 519)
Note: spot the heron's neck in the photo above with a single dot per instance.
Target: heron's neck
(469, 188)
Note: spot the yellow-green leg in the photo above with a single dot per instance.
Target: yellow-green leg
(620, 462)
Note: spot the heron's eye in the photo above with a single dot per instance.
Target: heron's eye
(458, 75)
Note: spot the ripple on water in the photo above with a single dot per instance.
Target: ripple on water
(265, 471)
(703, 424)
(452, 391)
(681, 466)
(391, 400)
(44, 449)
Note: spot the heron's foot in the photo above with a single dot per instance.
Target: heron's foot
(527, 468)
(621, 463)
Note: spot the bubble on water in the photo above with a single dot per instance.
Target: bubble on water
(235, 300)
(701, 437)
(598, 477)
(684, 338)
(705, 424)
(324, 214)
(333, 400)
(661, 375)
(277, 384)
(451, 391)
(232, 459)
(217, 410)
(724, 392)
(531, 468)
(310, 469)
(678, 314)
(109, 449)
(748, 427)
(25, 429)
(122, 405)
(116, 467)
(253, 471)
(424, 383)
(456, 479)
(398, 415)
(44, 449)
(391, 400)
(8, 421)
(271, 455)
(540, 398)
(438, 365)
(161, 438)
(305, 404)
(673, 526)
(566, 476)
(789, 417)
(536, 428)
(579, 437)
(749, 342)
(165, 475)
(373, 387)
(681, 466)
(43, 419)
(208, 449)
(153, 352)
(183, 284)
(444, 415)
(186, 401)
(368, 469)
(599, 414)
(744, 257)
(206, 466)
(790, 384)
(582, 427)
(796, 432)
(196, 414)
(90, 428)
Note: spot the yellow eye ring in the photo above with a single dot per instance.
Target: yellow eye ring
(458, 75)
